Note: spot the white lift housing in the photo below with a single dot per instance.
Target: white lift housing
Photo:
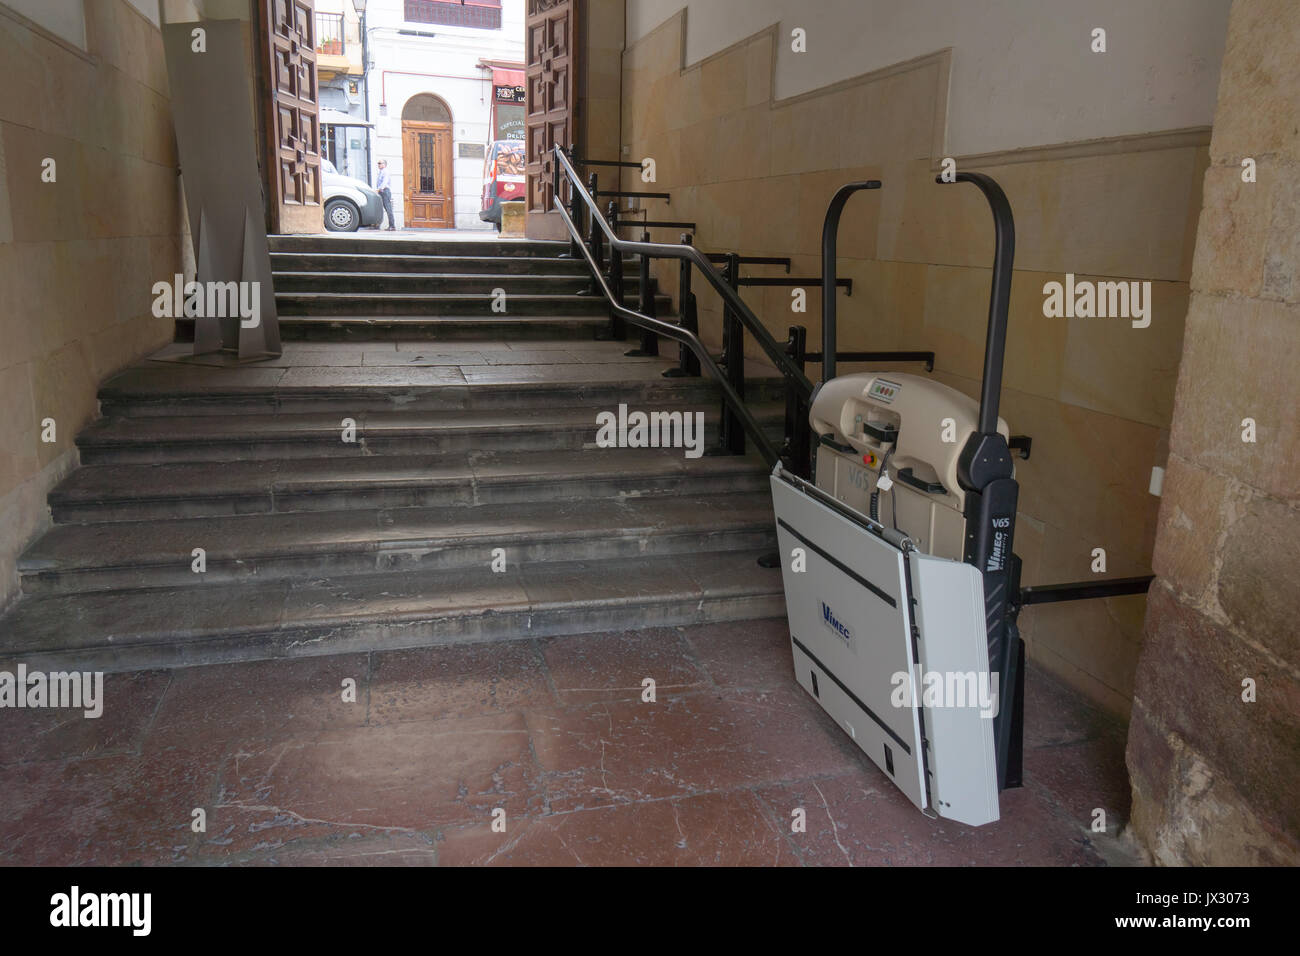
(888, 623)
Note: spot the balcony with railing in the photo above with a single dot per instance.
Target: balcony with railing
(329, 34)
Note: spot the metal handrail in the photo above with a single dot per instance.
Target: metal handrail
(661, 250)
(672, 331)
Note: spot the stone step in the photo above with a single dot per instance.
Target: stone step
(378, 245)
(208, 623)
(417, 283)
(170, 389)
(449, 328)
(259, 548)
(282, 262)
(319, 304)
(315, 434)
(193, 489)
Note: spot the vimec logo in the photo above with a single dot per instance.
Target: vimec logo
(834, 623)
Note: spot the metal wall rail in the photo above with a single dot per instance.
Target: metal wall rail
(659, 250)
(672, 331)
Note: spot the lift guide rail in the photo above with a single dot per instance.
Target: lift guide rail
(871, 617)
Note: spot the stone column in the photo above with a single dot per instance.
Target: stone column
(1214, 743)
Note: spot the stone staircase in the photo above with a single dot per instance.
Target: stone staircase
(314, 545)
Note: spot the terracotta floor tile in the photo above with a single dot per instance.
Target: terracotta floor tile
(409, 776)
(129, 703)
(262, 698)
(106, 811)
(1084, 776)
(717, 829)
(457, 680)
(592, 667)
(354, 849)
(745, 653)
(621, 752)
(861, 819)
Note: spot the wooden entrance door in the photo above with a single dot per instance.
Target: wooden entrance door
(288, 29)
(551, 47)
(427, 176)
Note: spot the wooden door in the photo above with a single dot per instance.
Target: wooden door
(551, 44)
(427, 176)
(288, 29)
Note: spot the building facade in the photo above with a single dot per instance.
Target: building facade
(340, 69)
(434, 71)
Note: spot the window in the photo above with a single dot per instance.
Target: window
(483, 14)
(329, 33)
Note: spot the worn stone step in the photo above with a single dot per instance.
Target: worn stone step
(193, 489)
(212, 622)
(153, 554)
(362, 327)
(309, 435)
(283, 262)
(410, 283)
(380, 245)
(170, 389)
(319, 304)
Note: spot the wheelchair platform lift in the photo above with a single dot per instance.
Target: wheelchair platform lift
(901, 585)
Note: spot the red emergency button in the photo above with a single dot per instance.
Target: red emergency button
(868, 459)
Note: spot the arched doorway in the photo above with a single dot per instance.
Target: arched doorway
(426, 164)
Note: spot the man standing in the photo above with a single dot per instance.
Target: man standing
(384, 188)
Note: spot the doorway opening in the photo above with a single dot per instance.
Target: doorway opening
(429, 200)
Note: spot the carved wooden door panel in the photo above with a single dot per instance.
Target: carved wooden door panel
(551, 50)
(292, 125)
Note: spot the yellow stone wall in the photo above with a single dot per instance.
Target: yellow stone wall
(77, 256)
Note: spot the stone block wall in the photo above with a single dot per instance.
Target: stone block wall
(1216, 778)
(79, 255)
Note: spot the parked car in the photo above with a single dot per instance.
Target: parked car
(349, 203)
(503, 177)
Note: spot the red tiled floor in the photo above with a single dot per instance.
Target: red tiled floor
(410, 776)
(233, 701)
(129, 703)
(860, 819)
(106, 811)
(431, 683)
(621, 751)
(592, 667)
(553, 731)
(745, 653)
(716, 829)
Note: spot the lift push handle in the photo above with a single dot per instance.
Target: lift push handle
(830, 232)
(1004, 254)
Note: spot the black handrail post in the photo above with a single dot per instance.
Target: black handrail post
(649, 341)
(733, 352)
(593, 231)
(687, 317)
(617, 327)
(575, 208)
(798, 444)
(830, 232)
